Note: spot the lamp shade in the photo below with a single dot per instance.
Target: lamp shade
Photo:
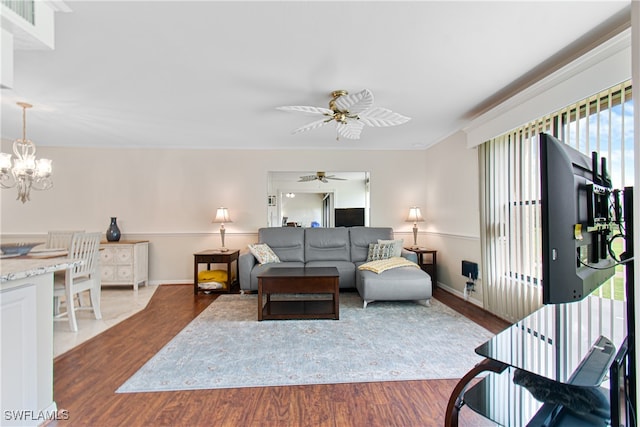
(414, 215)
(222, 215)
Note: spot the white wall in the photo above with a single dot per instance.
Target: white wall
(452, 218)
(303, 209)
(169, 197)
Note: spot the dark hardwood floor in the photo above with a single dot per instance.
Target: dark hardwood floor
(85, 380)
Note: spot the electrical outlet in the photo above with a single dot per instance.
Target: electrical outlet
(471, 287)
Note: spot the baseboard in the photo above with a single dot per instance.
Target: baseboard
(459, 294)
(171, 282)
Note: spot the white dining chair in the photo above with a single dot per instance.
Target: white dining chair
(60, 239)
(84, 247)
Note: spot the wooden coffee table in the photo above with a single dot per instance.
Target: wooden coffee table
(299, 280)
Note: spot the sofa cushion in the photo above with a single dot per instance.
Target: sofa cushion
(346, 271)
(263, 253)
(286, 242)
(404, 283)
(258, 269)
(362, 236)
(326, 244)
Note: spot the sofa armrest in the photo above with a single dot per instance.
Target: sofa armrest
(410, 255)
(246, 262)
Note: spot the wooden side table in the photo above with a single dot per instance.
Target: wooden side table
(214, 256)
(428, 263)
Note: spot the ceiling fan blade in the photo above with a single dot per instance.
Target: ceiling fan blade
(313, 125)
(351, 129)
(355, 103)
(306, 109)
(333, 177)
(382, 117)
(307, 178)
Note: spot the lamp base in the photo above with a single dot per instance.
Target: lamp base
(222, 248)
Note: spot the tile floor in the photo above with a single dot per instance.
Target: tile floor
(117, 304)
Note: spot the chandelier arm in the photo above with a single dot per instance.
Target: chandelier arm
(42, 184)
(24, 187)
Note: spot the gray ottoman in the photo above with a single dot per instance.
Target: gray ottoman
(398, 284)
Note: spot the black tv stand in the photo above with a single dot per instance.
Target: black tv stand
(548, 349)
(590, 404)
(543, 371)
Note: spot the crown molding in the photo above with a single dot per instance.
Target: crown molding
(476, 135)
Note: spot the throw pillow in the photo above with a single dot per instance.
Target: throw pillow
(397, 246)
(379, 251)
(263, 253)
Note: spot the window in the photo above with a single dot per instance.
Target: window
(510, 192)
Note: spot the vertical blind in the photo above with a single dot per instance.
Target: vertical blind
(511, 237)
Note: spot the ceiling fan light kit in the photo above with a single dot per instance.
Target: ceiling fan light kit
(351, 112)
(319, 176)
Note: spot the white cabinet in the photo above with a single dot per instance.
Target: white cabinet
(19, 352)
(125, 262)
(26, 350)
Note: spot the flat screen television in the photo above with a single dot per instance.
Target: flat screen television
(575, 205)
(349, 217)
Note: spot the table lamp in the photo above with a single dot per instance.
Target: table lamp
(222, 216)
(415, 216)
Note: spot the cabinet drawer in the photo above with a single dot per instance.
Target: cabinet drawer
(124, 273)
(107, 256)
(114, 256)
(117, 274)
(124, 255)
(107, 273)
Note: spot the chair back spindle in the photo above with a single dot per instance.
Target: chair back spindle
(85, 246)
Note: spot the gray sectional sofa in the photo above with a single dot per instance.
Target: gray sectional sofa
(345, 249)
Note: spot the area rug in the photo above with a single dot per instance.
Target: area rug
(226, 347)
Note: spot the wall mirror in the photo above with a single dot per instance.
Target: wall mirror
(317, 199)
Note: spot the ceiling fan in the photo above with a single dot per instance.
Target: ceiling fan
(319, 176)
(350, 112)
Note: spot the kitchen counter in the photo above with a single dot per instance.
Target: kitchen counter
(21, 268)
(26, 310)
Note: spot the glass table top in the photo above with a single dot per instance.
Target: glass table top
(552, 341)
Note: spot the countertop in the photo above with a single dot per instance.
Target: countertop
(16, 268)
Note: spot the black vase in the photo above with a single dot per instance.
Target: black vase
(113, 232)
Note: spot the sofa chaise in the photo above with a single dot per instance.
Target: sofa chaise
(343, 248)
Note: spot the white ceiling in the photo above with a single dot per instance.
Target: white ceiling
(209, 74)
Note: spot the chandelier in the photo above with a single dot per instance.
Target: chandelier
(27, 171)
